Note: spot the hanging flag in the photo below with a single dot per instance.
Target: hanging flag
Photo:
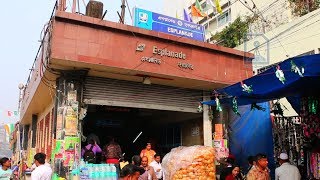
(16, 113)
(209, 2)
(218, 7)
(9, 128)
(177, 15)
(195, 12)
(186, 16)
(199, 8)
(280, 75)
(246, 88)
(9, 113)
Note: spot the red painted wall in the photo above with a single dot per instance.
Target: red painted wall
(84, 39)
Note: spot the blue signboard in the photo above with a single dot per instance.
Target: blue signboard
(161, 23)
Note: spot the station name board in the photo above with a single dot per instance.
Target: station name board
(166, 52)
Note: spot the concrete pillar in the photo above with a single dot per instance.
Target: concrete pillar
(207, 124)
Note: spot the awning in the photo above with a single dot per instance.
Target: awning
(266, 86)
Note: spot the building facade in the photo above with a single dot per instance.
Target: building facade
(274, 12)
(110, 79)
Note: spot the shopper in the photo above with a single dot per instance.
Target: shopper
(157, 166)
(89, 151)
(251, 162)
(234, 173)
(229, 162)
(286, 171)
(260, 171)
(93, 137)
(148, 169)
(42, 172)
(112, 152)
(136, 160)
(5, 171)
(148, 152)
(131, 172)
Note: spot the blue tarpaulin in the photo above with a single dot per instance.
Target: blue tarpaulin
(251, 134)
(266, 86)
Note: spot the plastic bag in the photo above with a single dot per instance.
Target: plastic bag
(187, 163)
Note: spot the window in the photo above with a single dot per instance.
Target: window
(224, 18)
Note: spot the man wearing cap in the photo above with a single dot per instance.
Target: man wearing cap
(260, 171)
(286, 171)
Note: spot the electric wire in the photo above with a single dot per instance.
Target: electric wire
(288, 29)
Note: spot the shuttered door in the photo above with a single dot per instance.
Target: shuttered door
(111, 92)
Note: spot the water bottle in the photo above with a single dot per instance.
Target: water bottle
(108, 171)
(90, 171)
(113, 172)
(82, 163)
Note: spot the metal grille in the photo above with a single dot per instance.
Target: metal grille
(103, 91)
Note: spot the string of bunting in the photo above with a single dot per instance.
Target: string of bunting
(9, 113)
(279, 73)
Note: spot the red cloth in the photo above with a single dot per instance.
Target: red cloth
(230, 177)
(112, 161)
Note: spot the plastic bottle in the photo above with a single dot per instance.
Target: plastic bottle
(90, 171)
(104, 171)
(113, 172)
(108, 172)
(82, 163)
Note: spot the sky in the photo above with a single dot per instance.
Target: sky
(21, 25)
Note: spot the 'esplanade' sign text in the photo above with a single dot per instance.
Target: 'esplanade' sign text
(166, 52)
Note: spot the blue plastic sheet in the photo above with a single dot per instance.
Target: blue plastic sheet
(266, 86)
(251, 134)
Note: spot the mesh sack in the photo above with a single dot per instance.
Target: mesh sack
(187, 163)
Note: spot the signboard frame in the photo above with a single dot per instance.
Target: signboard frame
(161, 23)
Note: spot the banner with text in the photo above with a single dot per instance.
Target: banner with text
(153, 21)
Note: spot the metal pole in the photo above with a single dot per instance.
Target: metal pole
(123, 11)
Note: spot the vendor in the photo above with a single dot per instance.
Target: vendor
(148, 152)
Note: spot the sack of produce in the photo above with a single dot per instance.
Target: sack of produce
(187, 163)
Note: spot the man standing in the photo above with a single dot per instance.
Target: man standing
(260, 171)
(42, 172)
(286, 171)
(251, 162)
(149, 171)
(5, 171)
(157, 166)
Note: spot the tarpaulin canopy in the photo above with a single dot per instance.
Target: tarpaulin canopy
(302, 78)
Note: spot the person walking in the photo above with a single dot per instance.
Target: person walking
(260, 171)
(5, 171)
(42, 172)
(286, 171)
